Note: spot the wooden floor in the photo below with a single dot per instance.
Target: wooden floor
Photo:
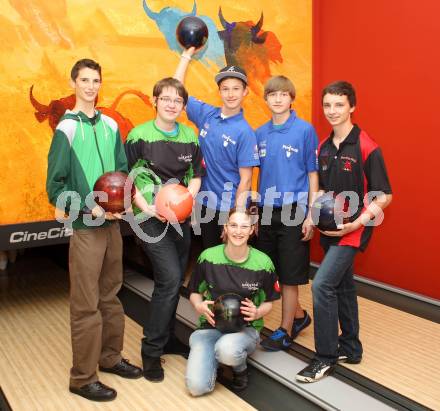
(401, 351)
(35, 354)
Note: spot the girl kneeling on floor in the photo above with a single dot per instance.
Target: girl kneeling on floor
(232, 267)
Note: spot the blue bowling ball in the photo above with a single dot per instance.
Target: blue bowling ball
(192, 32)
(325, 212)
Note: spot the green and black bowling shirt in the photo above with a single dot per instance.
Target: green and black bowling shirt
(215, 274)
(158, 157)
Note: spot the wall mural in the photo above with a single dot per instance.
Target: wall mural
(135, 44)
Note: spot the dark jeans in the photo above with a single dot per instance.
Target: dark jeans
(334, 298)
(169, 258)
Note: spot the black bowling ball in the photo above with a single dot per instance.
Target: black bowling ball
(227, 315)
(192, 32)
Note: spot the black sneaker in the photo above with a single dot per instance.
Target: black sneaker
(342, 357)
(240, 380)
(95, 391)
(278, 340)
(152, 368)
(300, 323)
(124, 369)
(316, 370)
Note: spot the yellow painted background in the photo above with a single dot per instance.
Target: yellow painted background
(41, 39)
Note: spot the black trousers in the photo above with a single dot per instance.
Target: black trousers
(169, 257)
(212, 230)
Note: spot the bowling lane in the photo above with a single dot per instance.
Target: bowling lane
(400, 349)
(35, 352)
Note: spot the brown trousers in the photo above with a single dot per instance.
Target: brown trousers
(96, 314)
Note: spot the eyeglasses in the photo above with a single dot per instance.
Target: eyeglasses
(168, 101)
(234, 226)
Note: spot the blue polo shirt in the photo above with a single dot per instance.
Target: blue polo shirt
(227, 144)
(288, 152)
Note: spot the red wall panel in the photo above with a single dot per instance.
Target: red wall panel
(389, 50)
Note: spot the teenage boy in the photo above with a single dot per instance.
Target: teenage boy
(163, 149)
(229, 149)
(86, 145)
(288, 181)
(349, 161)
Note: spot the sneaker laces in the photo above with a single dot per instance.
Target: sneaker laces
(316, 365)
(126, 362)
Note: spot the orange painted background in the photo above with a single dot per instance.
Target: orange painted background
(389, 51)
(41, 39)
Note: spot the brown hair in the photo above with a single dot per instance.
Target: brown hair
(83, 63)
(341, 88)
(226, 78)
(279, 83)
(170, 82)
(252, 217)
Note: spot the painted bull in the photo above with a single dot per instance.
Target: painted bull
(247, 46)
(167, 20)
(56, 108)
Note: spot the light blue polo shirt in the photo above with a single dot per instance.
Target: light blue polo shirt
(227, 144)
(288, 152)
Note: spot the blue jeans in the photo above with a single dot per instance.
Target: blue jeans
(168, 257)
(335, 299)
(210, 347)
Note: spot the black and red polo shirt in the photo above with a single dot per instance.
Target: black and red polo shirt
(357, 166)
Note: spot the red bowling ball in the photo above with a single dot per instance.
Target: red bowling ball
(113, 184)
(174, 202)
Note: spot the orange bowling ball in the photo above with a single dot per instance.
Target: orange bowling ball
(113, 184)
(174, 202)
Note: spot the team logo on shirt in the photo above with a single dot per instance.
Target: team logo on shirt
(227, 140)
(256, 152)
(347, 163)
(185, 158)
(206, 125)
(289, 150)
(250, 286)
(347, 166)
(262, 151)
(203, 132)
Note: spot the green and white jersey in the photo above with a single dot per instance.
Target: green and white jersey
(215, 274)
(82, 150)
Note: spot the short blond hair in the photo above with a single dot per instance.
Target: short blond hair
(279, 83)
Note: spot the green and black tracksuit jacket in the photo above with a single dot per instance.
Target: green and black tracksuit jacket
(82, 150)
(215, 274)
(156, 157)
